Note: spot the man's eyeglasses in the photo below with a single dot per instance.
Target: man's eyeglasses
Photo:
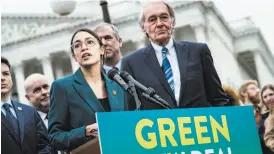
(79, 45)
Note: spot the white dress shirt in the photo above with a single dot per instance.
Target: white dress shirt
(118, 65)
(45, 121)
(43, 117)
(173, 60)
(11, 108)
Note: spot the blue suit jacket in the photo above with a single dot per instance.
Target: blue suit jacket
(73, 107)
(200, 83)
(33, 135)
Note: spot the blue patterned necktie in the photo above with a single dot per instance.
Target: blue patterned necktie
(167, 69)
(11, 118)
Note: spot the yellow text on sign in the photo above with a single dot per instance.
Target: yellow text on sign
(167, 135)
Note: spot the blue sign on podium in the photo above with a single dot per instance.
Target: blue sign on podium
(216, 130)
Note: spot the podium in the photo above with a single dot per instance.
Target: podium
(92, 146)
(222, 130)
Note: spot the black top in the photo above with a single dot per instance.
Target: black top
(105, 103)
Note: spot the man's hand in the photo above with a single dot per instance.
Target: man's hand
(92, 130)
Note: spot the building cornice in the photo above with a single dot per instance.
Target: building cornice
(13, 16)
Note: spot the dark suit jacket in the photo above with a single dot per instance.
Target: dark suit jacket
(73, 107)
(200, 84)
(33, 135)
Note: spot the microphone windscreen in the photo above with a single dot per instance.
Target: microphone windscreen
(124, 75)
(112, 73)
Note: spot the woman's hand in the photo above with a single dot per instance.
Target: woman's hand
(92, 130)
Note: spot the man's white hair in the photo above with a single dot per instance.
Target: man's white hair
(145, 4)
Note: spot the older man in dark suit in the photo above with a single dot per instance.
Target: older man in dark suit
(182, 73)
(22, 130)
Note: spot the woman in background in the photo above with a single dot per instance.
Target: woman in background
(76, 98)
(267, 95)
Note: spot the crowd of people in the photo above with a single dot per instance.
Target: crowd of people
(262, 101)
(62, 114)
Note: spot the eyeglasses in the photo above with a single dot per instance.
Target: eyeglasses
(79, 45)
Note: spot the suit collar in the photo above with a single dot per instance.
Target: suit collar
(118, 65)
(152, 61)
(85, 91)
(79, 77)
(9, 102)
(20, 117)
(182, 56)
(159, 48)
(42, 115)
(177, 44)
(115, 95)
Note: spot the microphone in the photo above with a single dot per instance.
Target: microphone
(149, 91)
(113, 74)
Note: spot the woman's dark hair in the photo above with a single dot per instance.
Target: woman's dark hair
(268, 86)
(91, 33)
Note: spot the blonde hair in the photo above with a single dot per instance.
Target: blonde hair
(232, 94)
(244, 86)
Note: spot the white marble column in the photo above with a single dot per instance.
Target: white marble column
(200, 33)
(20, 79)
(263, 74)
(59, 72)
(47, 68)
(74, 64)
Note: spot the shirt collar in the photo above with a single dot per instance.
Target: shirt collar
(118, 65)
(9, 102)
(169, 45)
(42, 115)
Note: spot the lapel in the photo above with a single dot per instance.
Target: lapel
(152, 62)
(84, 90)
(8, 126)
(20, 118)
(122, 64)
(182, 56)
(115, 95)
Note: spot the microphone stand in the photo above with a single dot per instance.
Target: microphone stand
(151, 99)
(134, 94)
(151, 92)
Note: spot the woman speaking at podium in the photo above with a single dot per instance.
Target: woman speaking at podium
(76, 98)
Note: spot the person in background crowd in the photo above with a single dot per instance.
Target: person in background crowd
(22, 130)
(76, 98)
(182, 73)
(37, 90)
(267, 95)
(250, 95)
(233, 97)
(112, 41)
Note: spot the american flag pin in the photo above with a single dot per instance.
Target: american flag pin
(19, 108)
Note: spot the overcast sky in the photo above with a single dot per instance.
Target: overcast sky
(261, 11)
